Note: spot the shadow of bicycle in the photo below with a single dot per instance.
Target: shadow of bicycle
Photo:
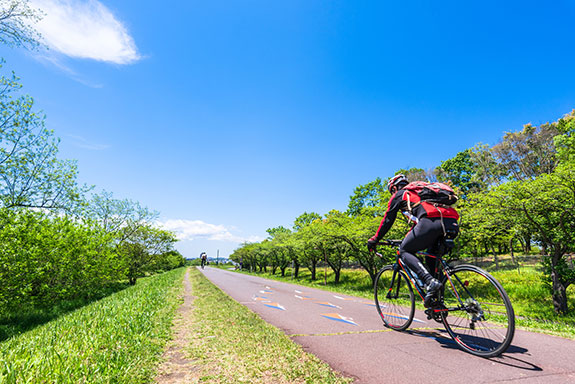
(509, 357)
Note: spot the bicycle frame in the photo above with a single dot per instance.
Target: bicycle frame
(442, 268)
(465, 311)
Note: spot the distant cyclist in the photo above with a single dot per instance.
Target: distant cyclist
(431, 223)
(204, 258)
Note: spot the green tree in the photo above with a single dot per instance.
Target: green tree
(16, 20)
(143, 248)
(487, 170)
(338, 251)
(460, 171)
(528, 153)
(305, 219)
(355, 231)
(31, 175)
(167, 261)
(311, 251)
(280, 254)
(546, 205)
(46, 259)
(416, 174)
(565, 142)
(368, 199)
(485, 225)
(246, 255)
(263, 255)
(299, 239)
(118, 217)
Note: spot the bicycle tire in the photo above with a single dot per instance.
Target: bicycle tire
(484, 325)
(395, 305)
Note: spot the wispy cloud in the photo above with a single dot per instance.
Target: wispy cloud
(194, 229)
(85, 29)
(50, 59)
(79, 141)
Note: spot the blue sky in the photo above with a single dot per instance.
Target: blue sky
(231, 117)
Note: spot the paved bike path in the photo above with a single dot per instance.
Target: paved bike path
(347, 333)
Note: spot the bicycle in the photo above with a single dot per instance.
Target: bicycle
(472, 305)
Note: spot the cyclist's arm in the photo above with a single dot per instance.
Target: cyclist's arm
(393, 207)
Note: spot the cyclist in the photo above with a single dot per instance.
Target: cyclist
(204, 258)
(431, 223)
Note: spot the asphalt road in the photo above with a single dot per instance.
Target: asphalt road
(347, 333)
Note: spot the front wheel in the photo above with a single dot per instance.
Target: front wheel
(478, 315)
(394, 298)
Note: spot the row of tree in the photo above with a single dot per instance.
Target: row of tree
(59, 240)
(513, 195)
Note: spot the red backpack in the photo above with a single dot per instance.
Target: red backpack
(435, 193)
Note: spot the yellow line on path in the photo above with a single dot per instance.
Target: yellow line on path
(353, 332)
(339, 333)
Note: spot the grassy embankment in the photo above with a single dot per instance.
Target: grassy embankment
(529, 295)
(118, 339)
(234, 345)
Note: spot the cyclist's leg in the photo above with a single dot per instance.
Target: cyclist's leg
(431, 264)
(422, 236)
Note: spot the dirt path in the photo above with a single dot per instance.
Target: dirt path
(176, 368)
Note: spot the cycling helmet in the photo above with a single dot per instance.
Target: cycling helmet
(397, 181)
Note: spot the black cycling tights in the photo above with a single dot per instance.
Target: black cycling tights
(424, 235)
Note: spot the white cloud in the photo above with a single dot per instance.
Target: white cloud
(194, 229)
(85, 29)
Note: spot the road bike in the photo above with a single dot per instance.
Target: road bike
(472, 305)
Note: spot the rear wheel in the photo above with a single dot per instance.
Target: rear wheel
(478, 315)
(394, 298)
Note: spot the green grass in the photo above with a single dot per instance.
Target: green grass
(530, 298)
(533, 304)
(27, 317)
(233, 345)
(118, 339)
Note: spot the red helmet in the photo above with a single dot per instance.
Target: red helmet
(397, 181)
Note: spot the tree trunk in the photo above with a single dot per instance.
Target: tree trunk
(559, 293)
(296, 269)
(337, 273)
(527, 239)
(495, 258)
(372, 276)
(336, 268)
(312, 270)
(513, 255)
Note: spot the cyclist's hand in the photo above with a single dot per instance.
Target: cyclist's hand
(372, 244)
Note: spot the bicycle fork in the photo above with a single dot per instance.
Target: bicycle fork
(395, 280)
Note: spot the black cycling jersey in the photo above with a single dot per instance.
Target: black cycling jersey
(396, 204)
(431, 222)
